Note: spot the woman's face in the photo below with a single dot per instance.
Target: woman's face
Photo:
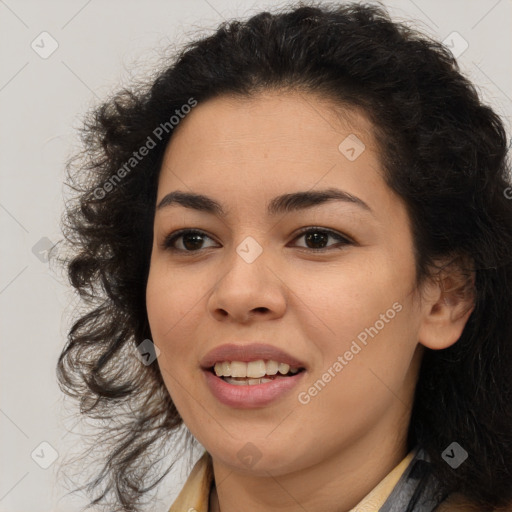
(347, 316)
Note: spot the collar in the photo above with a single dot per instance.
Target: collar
(194, 496)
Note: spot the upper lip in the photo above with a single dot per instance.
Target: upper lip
(248, 352)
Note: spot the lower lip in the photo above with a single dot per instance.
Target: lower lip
(250, 397)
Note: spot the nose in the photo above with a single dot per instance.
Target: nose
(248, 291)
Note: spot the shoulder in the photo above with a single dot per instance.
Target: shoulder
(459, 503)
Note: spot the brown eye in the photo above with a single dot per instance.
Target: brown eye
(316, 237)
(191, 240)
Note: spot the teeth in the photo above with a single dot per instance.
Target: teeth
(256, 369)
(238, 369)
(247, 382)
(223, 368)
(284, 368)
(272, 367)
(253, 369)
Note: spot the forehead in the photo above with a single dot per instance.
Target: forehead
(272, 117)
(293, 130)
(253, 148)
(248, 154)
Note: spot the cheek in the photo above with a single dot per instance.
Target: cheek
(368, 319)
(364, 371)
(376, 351)
(170, 298)
(352, 295)
(175, 302)
(169, 305)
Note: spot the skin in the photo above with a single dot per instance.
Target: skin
(325, 455)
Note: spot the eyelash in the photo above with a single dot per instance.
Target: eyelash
(172, 237)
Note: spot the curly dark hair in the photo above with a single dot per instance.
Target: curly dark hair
(444, 152)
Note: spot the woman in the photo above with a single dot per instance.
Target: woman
(297, 242)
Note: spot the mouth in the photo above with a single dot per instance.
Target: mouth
(252, 392)
(253, 373)
(248, 376)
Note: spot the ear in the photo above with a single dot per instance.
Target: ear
(447, 301)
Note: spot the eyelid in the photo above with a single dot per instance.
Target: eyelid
(340, 237)
(172, 237)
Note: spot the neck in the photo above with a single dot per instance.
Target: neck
(337, 484)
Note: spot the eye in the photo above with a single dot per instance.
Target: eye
(192, 239)
(317, 236)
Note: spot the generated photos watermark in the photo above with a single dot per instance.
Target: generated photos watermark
(158, 133)
(305, 397)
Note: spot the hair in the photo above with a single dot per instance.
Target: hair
(443, 151)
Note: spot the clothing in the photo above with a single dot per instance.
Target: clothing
(407, 488)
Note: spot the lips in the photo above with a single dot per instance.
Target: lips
(247, 353)
(251, 394)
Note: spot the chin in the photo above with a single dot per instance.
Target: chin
(251, 460)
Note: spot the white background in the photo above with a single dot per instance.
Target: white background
(103, 45)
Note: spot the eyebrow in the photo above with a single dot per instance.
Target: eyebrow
(281, 204)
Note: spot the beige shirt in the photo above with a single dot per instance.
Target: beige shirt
(195, 495)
